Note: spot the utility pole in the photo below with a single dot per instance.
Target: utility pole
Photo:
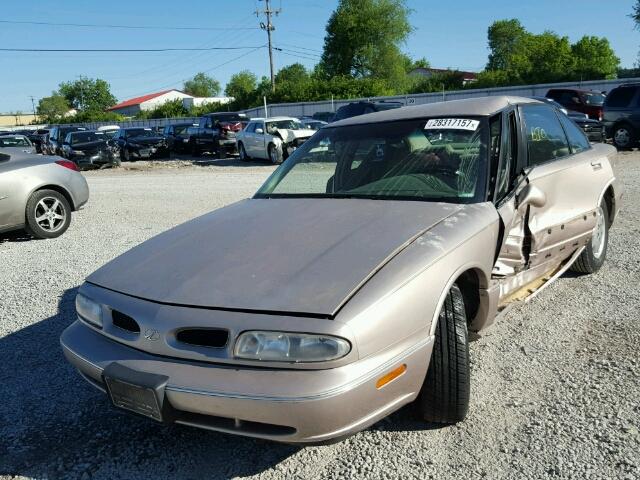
(269, 28)
(33, 105)
(81, 106)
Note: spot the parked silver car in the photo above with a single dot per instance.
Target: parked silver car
(18, 143)
(346, 287)
(38, 193)
(272, 138)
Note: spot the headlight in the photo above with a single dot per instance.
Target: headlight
(89, 310)
(77, 152)
(289, 347)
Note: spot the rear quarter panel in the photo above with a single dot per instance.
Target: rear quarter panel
(20, 178)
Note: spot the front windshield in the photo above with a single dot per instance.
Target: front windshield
(109, 133)
(86, 137)
(6, 141)
(283, 125)
(438, 159)
(596, 99)
(141, 132)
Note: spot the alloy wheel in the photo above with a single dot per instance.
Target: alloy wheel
(599, 234)
(622, 137)
(50, 214)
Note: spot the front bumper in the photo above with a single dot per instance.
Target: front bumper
(286, 405)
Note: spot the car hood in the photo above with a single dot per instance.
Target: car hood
(290, 135)
(97, 145)
(278, 255)
(145, 140)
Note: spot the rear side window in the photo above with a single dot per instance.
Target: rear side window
(577, 139)
(546, 140)
(620, 97)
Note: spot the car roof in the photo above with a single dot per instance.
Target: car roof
(480, 106)
(571, 89)
(272, 119)
(216, 114)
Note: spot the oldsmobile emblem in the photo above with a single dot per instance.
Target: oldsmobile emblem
(151, 334)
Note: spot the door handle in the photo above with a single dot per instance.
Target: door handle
(596, 165)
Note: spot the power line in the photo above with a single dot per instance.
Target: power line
(204, 71)
(103, 50)
(296, 54)
(301, 48)
(190, 58)
(133, 27)
(307, 54)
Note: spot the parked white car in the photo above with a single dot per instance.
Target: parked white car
(272, 138)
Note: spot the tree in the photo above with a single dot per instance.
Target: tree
(52, 109)
(505, 41)
(241, 87)
(202, 85)
(363, 40)
(87, 94)
(413, 64)
(594, 58)
(169, 109)
(294, 73)
(546, 58)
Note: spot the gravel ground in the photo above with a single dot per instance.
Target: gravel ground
(555, 383)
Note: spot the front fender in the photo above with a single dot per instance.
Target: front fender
(406, 295)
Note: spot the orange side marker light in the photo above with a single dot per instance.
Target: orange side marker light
(392, 375)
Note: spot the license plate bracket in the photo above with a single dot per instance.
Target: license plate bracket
(137, 392)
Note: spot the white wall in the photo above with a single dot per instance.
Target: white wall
(189, 102)
(157, 101)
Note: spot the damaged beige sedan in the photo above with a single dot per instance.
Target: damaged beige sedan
(349, 285)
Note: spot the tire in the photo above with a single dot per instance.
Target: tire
(444, 397)
(243, 153)
(595, 252)
(220, 151)
(195, 151)
(48, 214)
(274, 155)
(126, 155)
(623, 137)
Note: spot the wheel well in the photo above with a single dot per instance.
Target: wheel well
(610, 202)
(469, 285)
(61, 191)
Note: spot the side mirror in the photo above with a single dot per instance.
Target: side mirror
(531, 195)
(259, 131)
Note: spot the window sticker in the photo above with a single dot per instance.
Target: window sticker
(452, 123)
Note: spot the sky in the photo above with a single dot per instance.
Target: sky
(449, 34)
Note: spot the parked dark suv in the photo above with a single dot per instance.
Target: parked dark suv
(360, 108)
(622, 115)
(53, 144)
(585, 101)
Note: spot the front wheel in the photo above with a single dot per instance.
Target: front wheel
(595, 252)
(623, 137)
(444, 397)
(275, 155)
(242, 153)
(48, 214)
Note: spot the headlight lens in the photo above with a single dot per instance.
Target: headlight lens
(89, 310)
(290, 347)
(77, 152)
